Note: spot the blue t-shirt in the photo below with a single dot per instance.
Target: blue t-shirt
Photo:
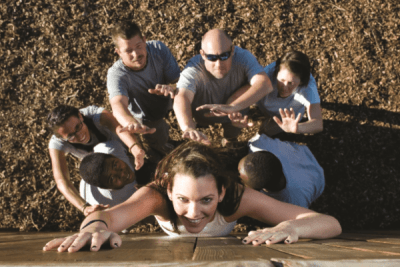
(302, 96)
(161, 68)
(305, 180)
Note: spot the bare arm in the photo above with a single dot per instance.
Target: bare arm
(314, 123)
(64, 184)
(119, 105)
(260, 86)
(130, 140)
(104, 224)
(183, 111)
(292, 222)
(289, 122)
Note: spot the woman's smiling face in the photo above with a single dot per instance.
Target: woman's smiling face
(195, 200)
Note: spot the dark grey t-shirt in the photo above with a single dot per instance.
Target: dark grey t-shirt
(161, 68)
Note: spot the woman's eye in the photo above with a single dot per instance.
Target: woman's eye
(207, 200)
(182, 199)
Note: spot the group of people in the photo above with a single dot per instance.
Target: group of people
(190, 191)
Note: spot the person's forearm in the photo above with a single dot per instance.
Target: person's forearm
(311, 126)
(71, 194)
(253, 94)
(183, 113)
(316, 225)
(121, 112)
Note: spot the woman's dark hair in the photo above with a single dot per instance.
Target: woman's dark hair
(197, 160)
(92, 169)
(59, 115)
(297, 63)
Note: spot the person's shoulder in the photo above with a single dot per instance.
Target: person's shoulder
(91, 110)
(117, 68)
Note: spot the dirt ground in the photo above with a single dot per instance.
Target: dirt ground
(58, 52)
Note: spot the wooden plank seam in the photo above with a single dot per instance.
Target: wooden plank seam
(366, 250)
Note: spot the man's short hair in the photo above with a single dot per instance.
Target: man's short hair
(125, 30)
(92, 169)
(264, 170)
(59, 115)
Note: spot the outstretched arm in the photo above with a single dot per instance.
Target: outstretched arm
(247, 95)
(101, 226)
(119, 105)
(292, 222)
(65, 186)
(183, 111)
(129, 139)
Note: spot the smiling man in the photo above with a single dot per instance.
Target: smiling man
(108, 175)
(76, 132)
(212, 78)
(139, 84)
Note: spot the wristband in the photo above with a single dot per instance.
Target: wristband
(93, 221)
(130, 148)
(85, 206)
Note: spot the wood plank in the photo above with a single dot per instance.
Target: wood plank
(371, 247)
(232, 249)
(337, 263)
(367, 238)
(311, 250)
(155, 250)
(20, 236)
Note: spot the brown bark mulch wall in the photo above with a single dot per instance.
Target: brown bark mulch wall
(58, 52)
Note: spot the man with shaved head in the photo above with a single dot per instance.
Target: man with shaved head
(212, 78)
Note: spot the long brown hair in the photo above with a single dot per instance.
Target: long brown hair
(197, 160)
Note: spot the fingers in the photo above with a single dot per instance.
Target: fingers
(53, 243)
(196, 136)
(277, 120)
(139, 161)
(265, 236)
(98, 238)
(207, 106)
(115, 240)
(298, 118)
(80, 241)
(163, 89)
(137, 128)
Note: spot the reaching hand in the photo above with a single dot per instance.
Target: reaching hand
(163, 89)
(75, 242)
(217, 110)
(139, 154)
(239, 121)
(196, 136)
(90, 209)
(137, 127)
(282, 232)
(289, 121)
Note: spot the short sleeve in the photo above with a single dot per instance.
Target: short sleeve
(117, 84)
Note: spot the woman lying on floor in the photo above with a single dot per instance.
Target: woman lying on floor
(193, 195)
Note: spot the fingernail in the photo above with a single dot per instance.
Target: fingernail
(116, 244)
(72, 246)
(94, 246)
(287, 241)
(256, 240)
(62, 246)
(244, 240)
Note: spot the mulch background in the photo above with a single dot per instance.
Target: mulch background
(58, 52)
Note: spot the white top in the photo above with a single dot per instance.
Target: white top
(302, 96)
(217, 227)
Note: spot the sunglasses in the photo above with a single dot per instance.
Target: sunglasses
(223, 56)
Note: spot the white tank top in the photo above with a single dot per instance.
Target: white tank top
(217, 227)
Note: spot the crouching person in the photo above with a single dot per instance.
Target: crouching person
(108, 175)
(285, 171)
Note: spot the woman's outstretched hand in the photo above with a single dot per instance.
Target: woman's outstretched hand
(282, 232)
(77, 241)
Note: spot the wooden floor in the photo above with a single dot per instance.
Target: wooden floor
(349, 249)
